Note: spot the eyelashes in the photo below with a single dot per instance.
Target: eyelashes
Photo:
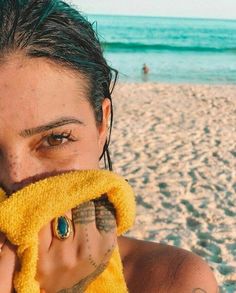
(57, 140)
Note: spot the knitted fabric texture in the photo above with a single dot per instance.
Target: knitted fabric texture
(24, 214)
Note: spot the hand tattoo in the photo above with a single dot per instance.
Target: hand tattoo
(84, 213)
(105, 214)
(83, 284)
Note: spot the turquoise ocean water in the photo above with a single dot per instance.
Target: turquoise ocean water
(175, 49)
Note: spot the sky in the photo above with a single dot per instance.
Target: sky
(225, 9)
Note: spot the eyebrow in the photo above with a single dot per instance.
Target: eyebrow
(53, 124)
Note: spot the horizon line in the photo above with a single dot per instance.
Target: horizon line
(160, 16)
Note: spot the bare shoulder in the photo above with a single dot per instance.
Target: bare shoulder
(153, 267)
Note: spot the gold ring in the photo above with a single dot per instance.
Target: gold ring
(62, 227)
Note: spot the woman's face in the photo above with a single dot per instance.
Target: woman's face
(47, 125)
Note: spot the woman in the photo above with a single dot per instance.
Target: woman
(55, 106)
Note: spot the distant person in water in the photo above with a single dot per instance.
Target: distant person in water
(145, 69)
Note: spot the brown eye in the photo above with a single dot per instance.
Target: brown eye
(55, 139)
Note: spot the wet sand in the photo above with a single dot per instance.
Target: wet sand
(176, 144)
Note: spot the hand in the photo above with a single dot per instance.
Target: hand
(71, 264)
(8, 264)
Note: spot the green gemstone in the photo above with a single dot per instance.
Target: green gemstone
(62, 227)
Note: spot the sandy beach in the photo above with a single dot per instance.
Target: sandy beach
(176, 144)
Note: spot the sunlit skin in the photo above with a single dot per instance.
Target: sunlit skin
(35, 93)
(29, 99)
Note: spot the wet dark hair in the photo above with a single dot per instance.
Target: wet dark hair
(59, 32)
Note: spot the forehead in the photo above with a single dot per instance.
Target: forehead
(36, 89)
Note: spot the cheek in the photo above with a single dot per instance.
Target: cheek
(85, 155)
(89, 151)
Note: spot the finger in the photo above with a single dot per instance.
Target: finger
(12, 250)
(8, 266)
(49, 239)
(86, 232)
(8, 252)
(106, 225)
(69, 229)
(83, 217)
(105, 215)
(45, 239)
(48, 245)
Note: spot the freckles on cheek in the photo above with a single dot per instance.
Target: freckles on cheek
(76, 160)
(14, 164)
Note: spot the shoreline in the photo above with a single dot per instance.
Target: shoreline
(170, 83)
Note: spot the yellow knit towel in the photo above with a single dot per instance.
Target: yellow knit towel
(29, 209)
